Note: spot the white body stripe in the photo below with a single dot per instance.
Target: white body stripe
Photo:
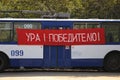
(29, 51)
(92, 51)
(77, 52)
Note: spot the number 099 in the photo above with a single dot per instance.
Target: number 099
(17, 52)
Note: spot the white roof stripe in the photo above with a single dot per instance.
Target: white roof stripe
(28, 19)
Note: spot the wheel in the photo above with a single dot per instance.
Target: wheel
(112, 62)
(3, 63)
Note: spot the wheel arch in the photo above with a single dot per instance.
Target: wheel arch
(111, 52)
(6, 56)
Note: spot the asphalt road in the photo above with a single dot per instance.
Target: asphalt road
(52, 75)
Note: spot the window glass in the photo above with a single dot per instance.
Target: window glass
(79, 26)
(112, 32)
(93, 25)
(25, 25)
(5, 31)
(86, 25)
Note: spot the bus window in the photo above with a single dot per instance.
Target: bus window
(25, 25)
(112, 31)
(79, 26)
(5, 31)
(93, 25)
(86, 25)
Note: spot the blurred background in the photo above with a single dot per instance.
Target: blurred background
(81, 9)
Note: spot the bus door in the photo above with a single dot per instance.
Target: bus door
(57, 56)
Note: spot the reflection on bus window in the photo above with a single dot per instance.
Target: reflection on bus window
(25, 25)
(86, 25)
(112, 31)
(5, 31)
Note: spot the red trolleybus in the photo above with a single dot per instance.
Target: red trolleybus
(60, 43)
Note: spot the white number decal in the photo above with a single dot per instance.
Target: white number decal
(17, 52)
(28, 26)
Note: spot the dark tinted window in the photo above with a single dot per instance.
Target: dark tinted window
(6, 31)
(112, 31)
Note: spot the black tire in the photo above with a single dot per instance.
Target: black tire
(3, 62)
(112, 62)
